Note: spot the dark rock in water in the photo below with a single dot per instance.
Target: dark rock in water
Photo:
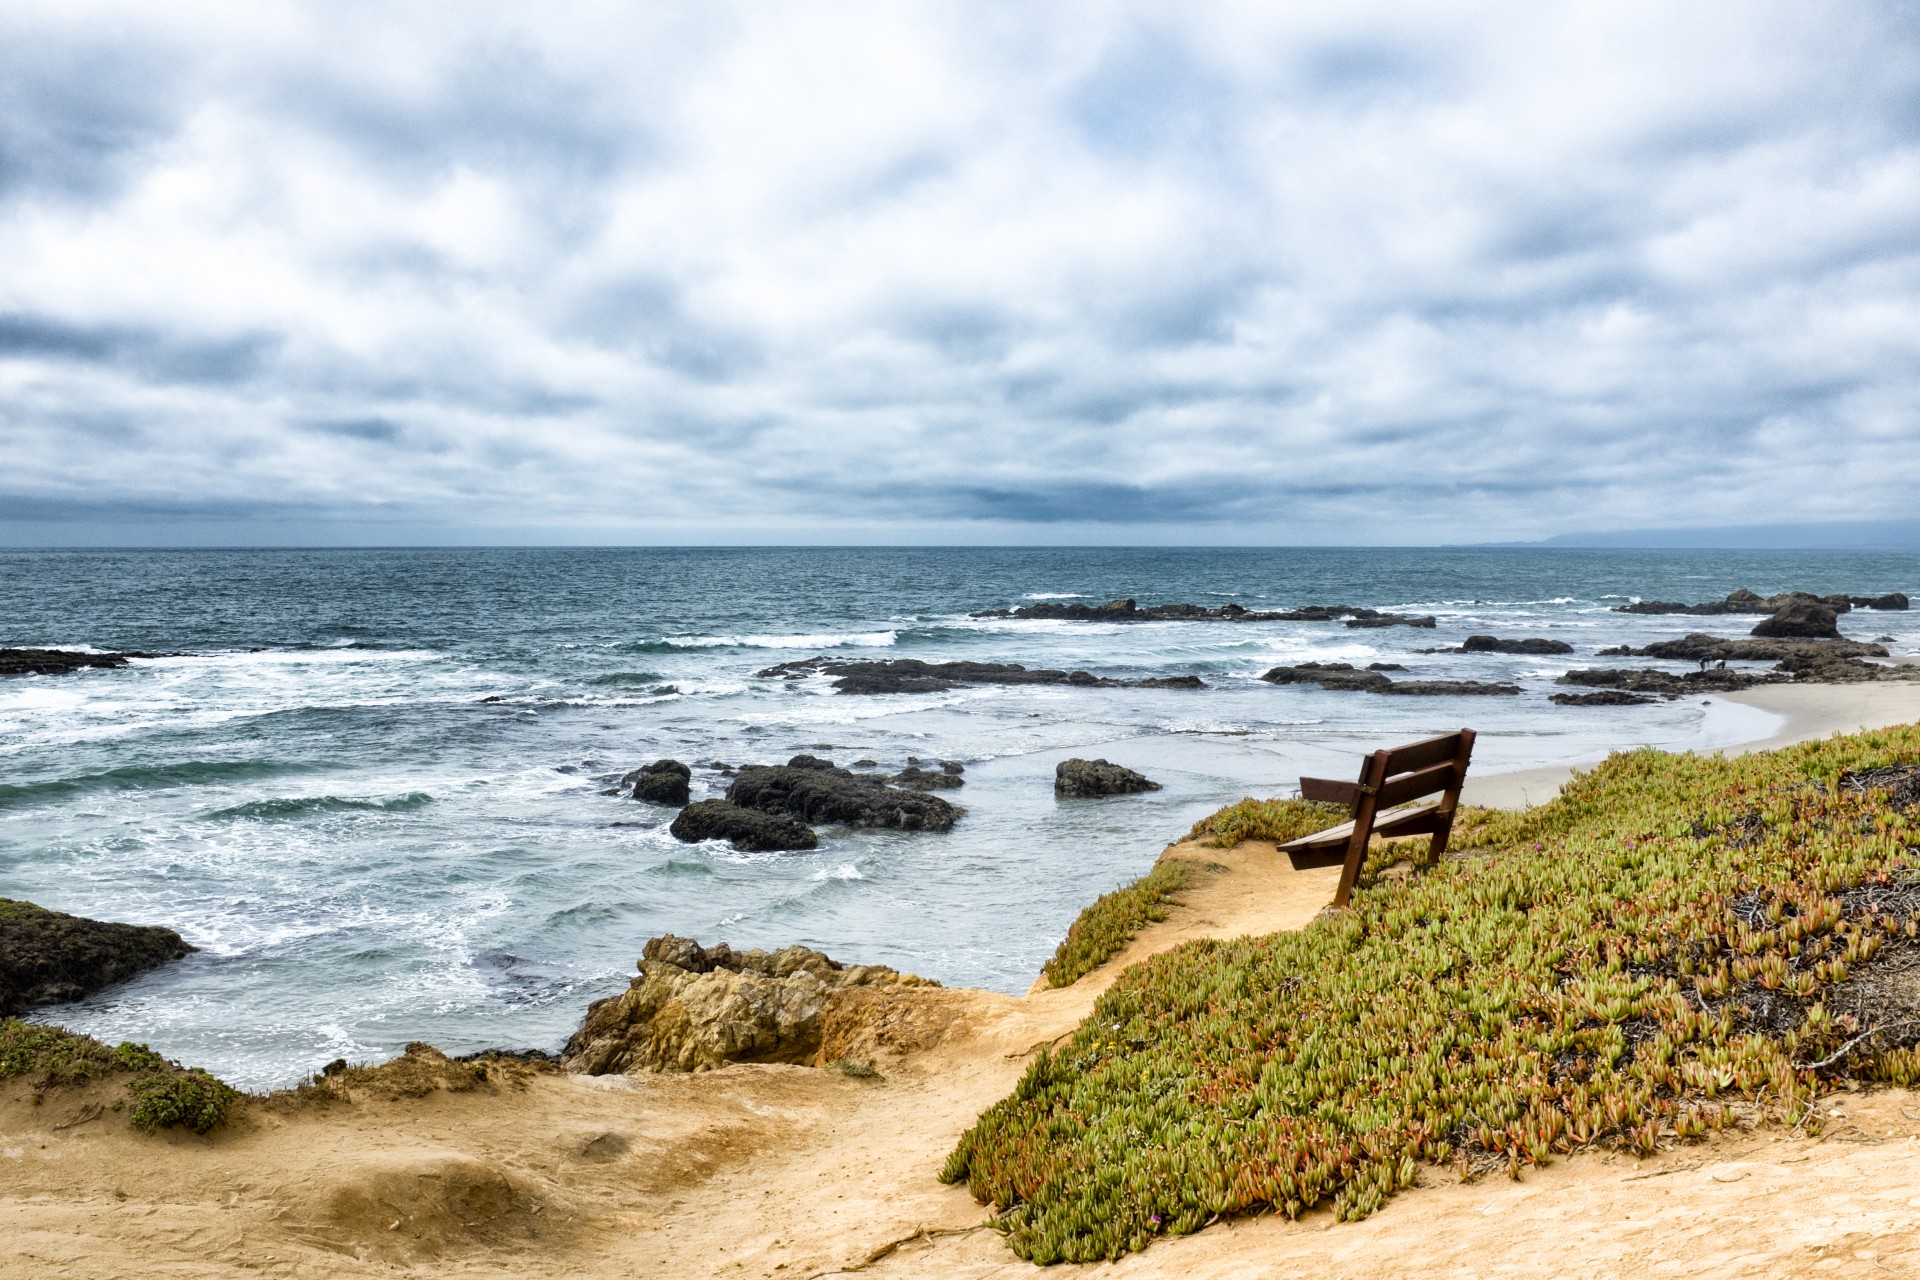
(1131, 611)
(813, 790)
(866, 764)
(1385, 666)
(1603, 698)
(1345, 677)
(1330, 675)
(1695, 647)
(952, 766)
(1372, 619)
(1819, 664)
(1493, 644)
(56, 662)
(1667, 683)
(1087, 779)
(1614, 651)
(1800, 620)
(914, 778)
(747, 830)
(911, 675)
(1745, 601)
(662, 782)
(48, 957)
(695, 1008)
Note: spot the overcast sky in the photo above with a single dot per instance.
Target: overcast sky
(1264, 272)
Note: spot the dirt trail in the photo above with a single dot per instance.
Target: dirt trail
(782, 1172)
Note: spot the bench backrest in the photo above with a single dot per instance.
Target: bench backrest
(1399, 774)
(1394, 776)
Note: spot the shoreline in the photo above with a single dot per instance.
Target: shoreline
(1806, 711)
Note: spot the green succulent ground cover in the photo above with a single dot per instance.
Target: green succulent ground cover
(1112, 920)
(164, 1093)
(1675, 945)
(1275, 820)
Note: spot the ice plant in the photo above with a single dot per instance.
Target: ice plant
(1671, 946)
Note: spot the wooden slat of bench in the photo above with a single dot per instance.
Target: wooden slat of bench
(1386, 824)
(1419, 755)
(1413, 785)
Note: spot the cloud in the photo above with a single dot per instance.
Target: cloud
(1225, 272)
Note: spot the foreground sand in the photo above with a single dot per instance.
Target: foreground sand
(780, 1172)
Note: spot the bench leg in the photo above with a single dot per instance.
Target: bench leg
(1364, 809)
(1437, 848)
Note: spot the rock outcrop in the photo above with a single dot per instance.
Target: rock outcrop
(1087, 779)
(816, 790)
(56, 662)
(1745, 601)
(1602, 698)
(747, 830)
(1494, 644)
(49, 957)
(1697, 647)
(695, 1008)
(911, 675)
(665, 782)
(1801, 620)
(946, 778)
(1133, 611)
(1345, 677)
(1668, 684)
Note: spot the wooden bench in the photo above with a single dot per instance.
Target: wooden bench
(1403, 791)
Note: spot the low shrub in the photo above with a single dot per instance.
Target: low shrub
(1113, 920)
(165, 1093)
(1674, 945)
(1276, 820)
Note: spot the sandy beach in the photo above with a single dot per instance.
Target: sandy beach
(784, 1171)
(1805, 711)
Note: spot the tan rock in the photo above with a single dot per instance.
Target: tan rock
(694, 1008)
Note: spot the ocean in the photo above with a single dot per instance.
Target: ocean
(371, 789)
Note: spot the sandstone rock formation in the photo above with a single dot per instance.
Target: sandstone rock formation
(662, 782)
(695, 1008)
(1086, 779)
(747, 830)
(48, 957)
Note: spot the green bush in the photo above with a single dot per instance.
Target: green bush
(165, 1093)
(1276, 820)
(192, 1099)
(1113, 919)
(1671, 946)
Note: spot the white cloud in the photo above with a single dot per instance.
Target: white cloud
(1377, 271)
